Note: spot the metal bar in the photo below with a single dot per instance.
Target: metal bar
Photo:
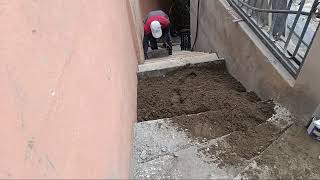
(290, 4)
(274, 11)
(297, 35)
(275, 36)
(306, 25)
(266, 40)
(295, 22)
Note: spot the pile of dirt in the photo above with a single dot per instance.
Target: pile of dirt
(244, 145)
(199, 90)
(212, 124)
(250, 143)
(207, 103)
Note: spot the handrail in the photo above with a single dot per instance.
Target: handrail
(274, 10)
(289, 45)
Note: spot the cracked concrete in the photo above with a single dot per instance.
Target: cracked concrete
(163, 152)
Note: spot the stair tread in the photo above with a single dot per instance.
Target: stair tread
(177, 60)
(182, 54)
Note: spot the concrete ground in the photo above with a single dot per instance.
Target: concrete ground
(161, 151)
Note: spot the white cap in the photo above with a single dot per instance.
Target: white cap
(156, 29)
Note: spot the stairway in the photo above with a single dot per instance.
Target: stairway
(169, 148)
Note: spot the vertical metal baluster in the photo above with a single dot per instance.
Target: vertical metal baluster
(278, 28)
(293, 27)
(250, 2)
(306, 25)
(259, 13)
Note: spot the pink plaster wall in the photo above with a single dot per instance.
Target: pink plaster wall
(68, 89)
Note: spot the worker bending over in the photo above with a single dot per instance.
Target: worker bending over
(156, 25)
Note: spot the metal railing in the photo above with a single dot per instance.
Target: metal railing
(287, 27)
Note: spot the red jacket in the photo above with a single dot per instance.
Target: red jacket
(164, 21)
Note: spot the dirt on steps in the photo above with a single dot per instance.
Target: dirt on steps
(198, 90)
(210, 106)
(243, 145)
(207, 103)
(213, 124)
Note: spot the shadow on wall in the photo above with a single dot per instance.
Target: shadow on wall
(150, 5)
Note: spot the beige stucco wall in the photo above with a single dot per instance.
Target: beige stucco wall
(309, 76)
(68, 88)
(249, 61)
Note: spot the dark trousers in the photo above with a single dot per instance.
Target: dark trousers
(166, 38)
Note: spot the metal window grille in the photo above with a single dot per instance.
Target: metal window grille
(287, 27)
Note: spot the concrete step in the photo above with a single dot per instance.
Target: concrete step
(178, 59)
(182, 54)
(165, 151)
(161, 52)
